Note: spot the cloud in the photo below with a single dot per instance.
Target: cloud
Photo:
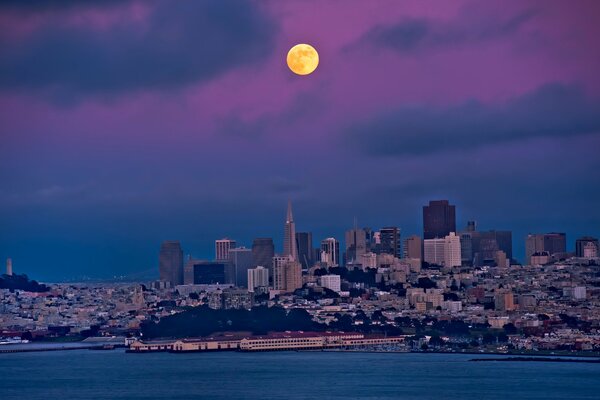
(416, 34)
(39, 6)
(553, 110)
(180, 42)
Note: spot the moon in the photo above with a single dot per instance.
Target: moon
(302, 59)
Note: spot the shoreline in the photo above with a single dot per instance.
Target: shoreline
(99, 346)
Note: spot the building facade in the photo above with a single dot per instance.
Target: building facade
(439, 219)
(171, 262)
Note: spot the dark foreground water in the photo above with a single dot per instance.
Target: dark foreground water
(88, 374)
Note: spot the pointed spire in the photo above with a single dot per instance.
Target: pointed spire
(290, 216)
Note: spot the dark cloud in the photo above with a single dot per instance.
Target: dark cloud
(411, 35)
(37, 6)
(181, 42)
(552, 110)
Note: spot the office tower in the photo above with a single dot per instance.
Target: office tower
(200, 272)
(330, 252)
(466, 246)
(263, 251)
(356, 244)
(222, 247)
(552, 243)
(433, 251)
(287, 274)
(586, 242)
(555, 243)
(241, 261)
(305, 249)
(439, 219)
(9, 270)
(170, 262)
(413, 247)
(452, 256)
(390, 242)
(289, 236)
(331, 282)
(486, 244)
(258, 277)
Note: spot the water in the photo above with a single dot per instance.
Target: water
(86, 374)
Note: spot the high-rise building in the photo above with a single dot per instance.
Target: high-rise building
(305, 249)
(452, 256)
(433, 251)
(263, 251)
(330, 252)
(287, 274)
(555, 243)
(258, 277)
(200, 272)
(390, 241)
(170, 261)
(289, 234)
(439, 219)
(552, 243)
(486, 244)
(356, 244)
(444, 251)
(413, 247)
(241, 261)
(9, 270)
(222, 247)
(586, 242)
(466, 246)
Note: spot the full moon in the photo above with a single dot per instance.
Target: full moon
(302, 59)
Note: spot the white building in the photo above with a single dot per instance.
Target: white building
(452, 255)
(331, 282)
(444, 251)
(330, 252)
(258, 277)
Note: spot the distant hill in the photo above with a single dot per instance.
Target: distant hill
(21, 282)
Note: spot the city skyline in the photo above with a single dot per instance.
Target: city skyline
(107, 152)
(202, 252)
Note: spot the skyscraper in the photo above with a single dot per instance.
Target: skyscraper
(222, 247)
(258, 277)
(289, 236)
(356, 244)
(552, 243)
(390, 242)
(287, 274)
(263, 251)
(443, 251)
(330, 252)
(240, 259)
(170, 262)
(439, 219)
(452, 256)
(305, 249)
(485, 245)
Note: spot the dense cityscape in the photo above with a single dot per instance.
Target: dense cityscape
(450, 289)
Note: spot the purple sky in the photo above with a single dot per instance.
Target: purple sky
(125, 123)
